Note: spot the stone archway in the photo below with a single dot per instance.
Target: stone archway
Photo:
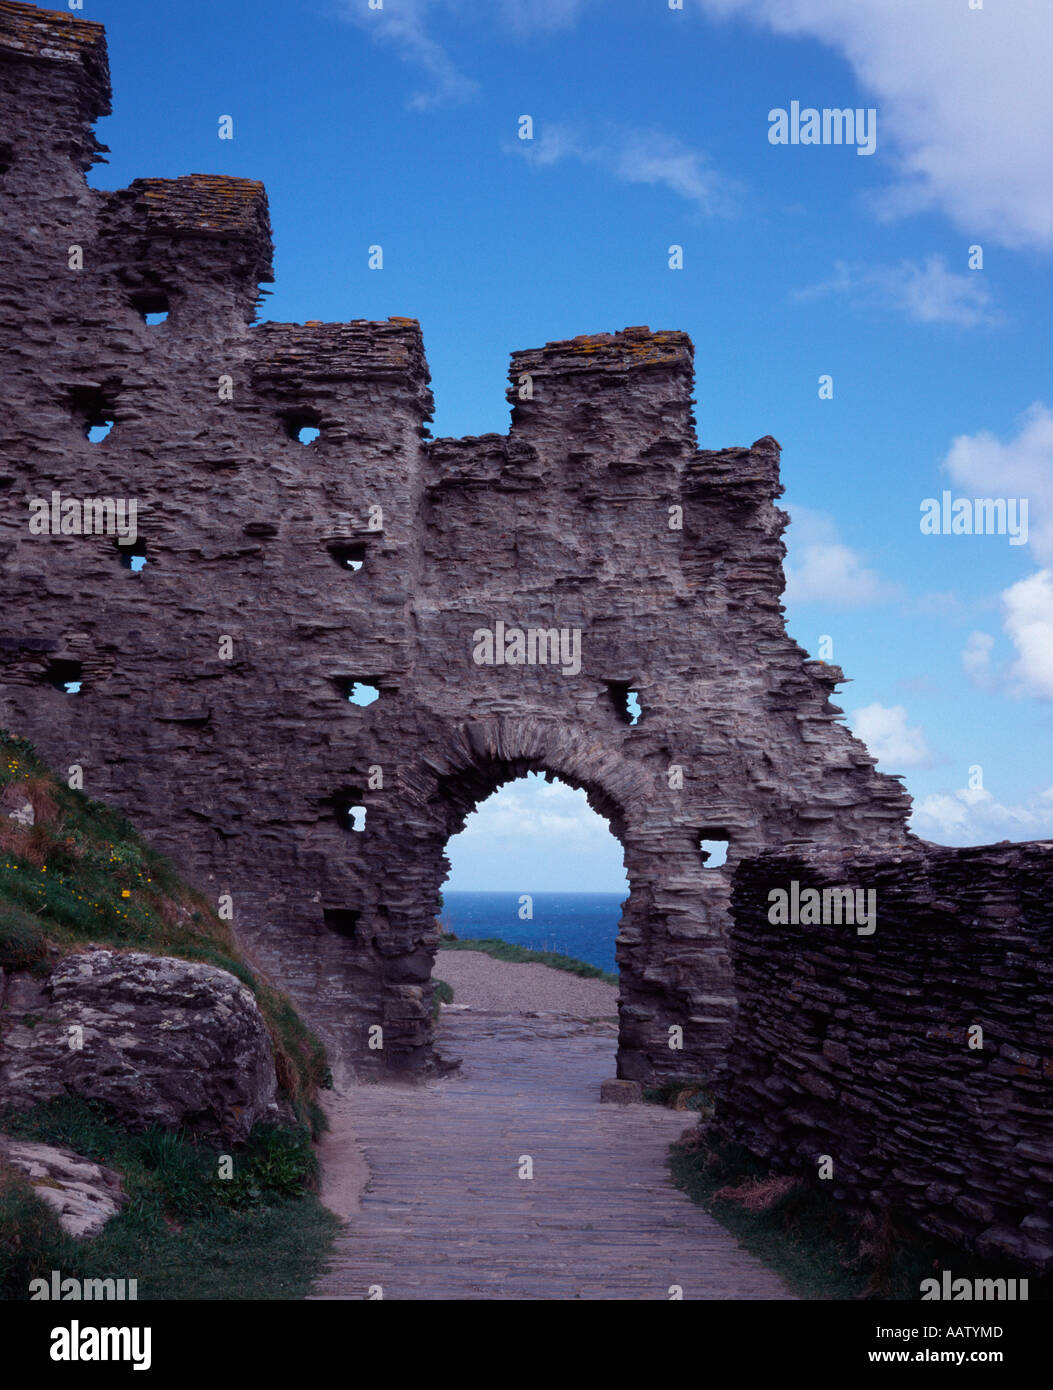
(663, 948)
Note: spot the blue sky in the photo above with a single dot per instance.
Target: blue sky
(399, 126)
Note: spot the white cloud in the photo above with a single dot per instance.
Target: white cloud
(925, 293)
(635, 156)
(409, 27)
(1029, 626)
(1027, 620)
(972, 816)
(403, 25)
(980, 465)
(976, 659)
(963, 94)
(538, 835)
(820, 568)
(886, 733)
(1021, 468)
(538, 810)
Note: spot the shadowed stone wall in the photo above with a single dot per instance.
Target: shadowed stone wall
(916, 1054)
(213, 700)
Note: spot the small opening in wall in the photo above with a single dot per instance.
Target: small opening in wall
(342, 920)
(626, 701)
(303, 426)
(349, 555)
(714, 846)
(348, 809)
(133, 557)
(7, 155)
(153, 306)
(93, 410)
(64, 675)
(358, 692)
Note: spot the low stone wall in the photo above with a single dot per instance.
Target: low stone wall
(859, 1041)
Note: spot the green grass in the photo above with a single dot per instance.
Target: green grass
(442, 994)
(81, 875)
(184, 1233)
(522, 955)
(807, 1237)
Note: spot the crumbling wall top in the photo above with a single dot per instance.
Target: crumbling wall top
(26, 32)
(215, 203)
(630, 348)
(298, 354)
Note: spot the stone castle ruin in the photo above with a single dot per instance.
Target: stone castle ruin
(210, 686)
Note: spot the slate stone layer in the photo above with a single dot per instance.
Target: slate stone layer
(858, 1046)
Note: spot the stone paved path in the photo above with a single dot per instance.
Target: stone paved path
(446, 1215)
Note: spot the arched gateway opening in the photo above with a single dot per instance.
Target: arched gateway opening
(537, 869)
(675, 1002)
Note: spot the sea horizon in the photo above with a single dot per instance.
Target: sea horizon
(572, 922)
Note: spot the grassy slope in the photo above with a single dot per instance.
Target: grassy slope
(81, 875)
(522, 955)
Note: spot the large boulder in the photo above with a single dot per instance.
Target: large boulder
(158, 1041)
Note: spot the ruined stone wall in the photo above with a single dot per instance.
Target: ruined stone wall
(863, 1046)
(240, 758)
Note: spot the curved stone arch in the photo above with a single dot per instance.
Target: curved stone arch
(450, 778)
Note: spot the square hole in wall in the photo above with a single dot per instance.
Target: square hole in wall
(358, 692)
(343, 920)
(626, 701)
(714, 845)
(302, 425)
(349, 809)
(133, 557)
(349, 555)
(65, 675)
(94, 410)
(152, 305)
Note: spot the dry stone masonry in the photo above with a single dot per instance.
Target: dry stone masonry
(278, 577)
(501, 595)
(915, 1057)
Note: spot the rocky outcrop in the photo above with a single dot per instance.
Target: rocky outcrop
(157, 1041)
(84, 1194)
(910, 1046)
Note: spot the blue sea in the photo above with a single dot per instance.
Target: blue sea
(583, 925)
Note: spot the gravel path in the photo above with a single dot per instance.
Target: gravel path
(496, 986)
